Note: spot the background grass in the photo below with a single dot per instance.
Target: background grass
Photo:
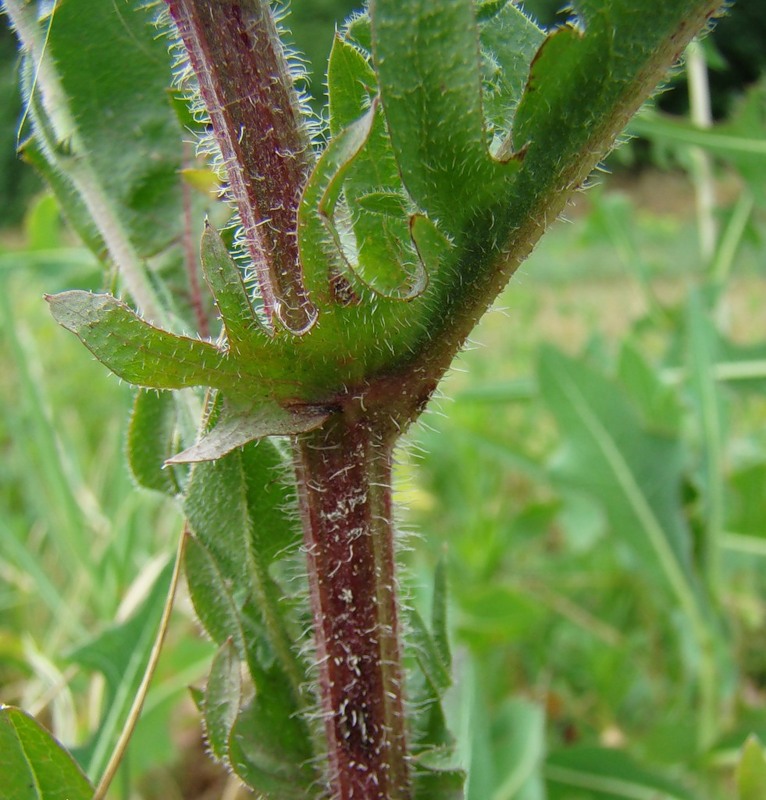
(563, 641)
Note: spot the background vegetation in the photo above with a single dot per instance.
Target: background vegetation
(570, 635)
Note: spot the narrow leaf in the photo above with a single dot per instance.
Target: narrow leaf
(635, 474)
(34, 765)
(236, 427)
(225, 281)
(606, 774)
(151, 434)
(223, 695)
(135, 350)
(120, 654)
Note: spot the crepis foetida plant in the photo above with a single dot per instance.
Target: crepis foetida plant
(364, 248)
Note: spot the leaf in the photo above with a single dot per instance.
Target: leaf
(216, 508)
(658, 403)
(135, 350)
(120, 654)
(223, 695)
(635, 474)
(602, 773)
(509, 41)
(237, 427)
(115, 74)
(428, 656)
(151, 436)
(211, 595)
(751, 771)
(225, 282)
(34, 765)
(708, 398)
(426, 58)
(270, 748)
(519, 745)
(561, 64)
(439, 614)
(383, 255)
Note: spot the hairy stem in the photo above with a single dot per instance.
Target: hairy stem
(245, 83)
(344, 479)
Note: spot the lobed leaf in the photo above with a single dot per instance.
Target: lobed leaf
(135, 350)
(509, 40)
(427, 60)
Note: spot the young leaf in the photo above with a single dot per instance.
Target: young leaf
(225, 282)
(223, 695)
(34, 765)
(151, 434)
(427, 60)
(237, 427)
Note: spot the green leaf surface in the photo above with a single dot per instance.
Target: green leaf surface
(427, 59)
(135, 350)
(237, 427)
(114, 72)
(69, 200)
(151, 437)
(519, 745)
(428, 655)
(383, 257)
(509, 41)
(212, 597)
(223, 695)
(270, 747)
(603, 774)
(225, 281)
(34, 765)
(216, 508)
(657, 402)
(711, 419)
(751, 771)
(634, 473)
(120, 654)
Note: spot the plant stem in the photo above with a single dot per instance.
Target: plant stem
(245, 82)
(344, 480)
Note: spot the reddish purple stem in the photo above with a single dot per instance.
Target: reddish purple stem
(244, 81)
(344, 477)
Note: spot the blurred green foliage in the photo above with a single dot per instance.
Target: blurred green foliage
(577, 664)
